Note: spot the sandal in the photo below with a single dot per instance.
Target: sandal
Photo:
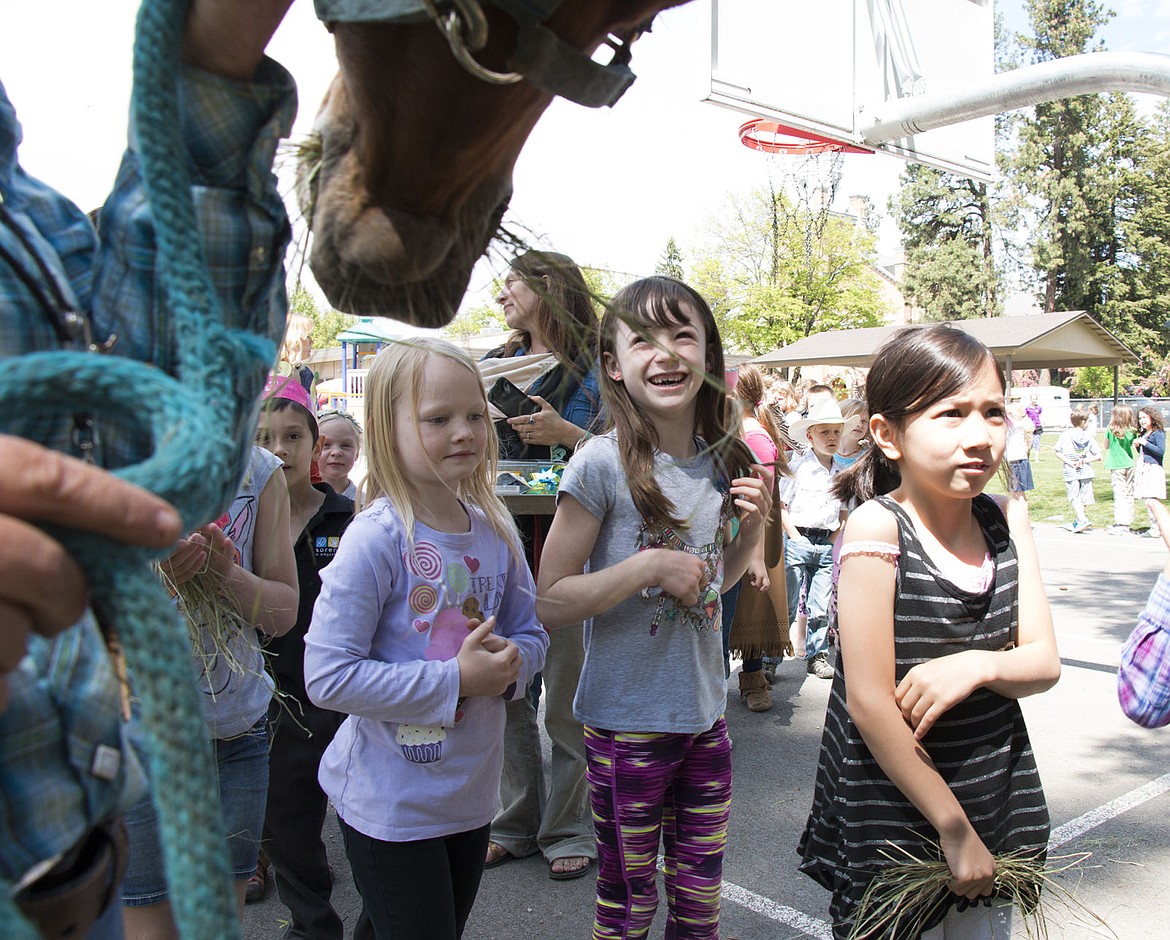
(497, 855)
(257, 888)
(572, 873)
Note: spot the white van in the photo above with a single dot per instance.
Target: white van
(1052, 399)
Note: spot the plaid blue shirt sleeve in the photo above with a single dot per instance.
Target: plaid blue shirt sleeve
(65, 766)
(231, 130)
(1143, 681)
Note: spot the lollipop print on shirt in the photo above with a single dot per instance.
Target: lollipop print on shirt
(446, 629)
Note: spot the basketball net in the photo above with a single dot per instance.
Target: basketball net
(803, 173)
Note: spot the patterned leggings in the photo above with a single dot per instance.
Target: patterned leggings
(643, 786)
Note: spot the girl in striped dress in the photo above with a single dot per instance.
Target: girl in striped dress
(943, 625)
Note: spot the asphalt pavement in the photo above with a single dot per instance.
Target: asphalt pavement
(1106, 779)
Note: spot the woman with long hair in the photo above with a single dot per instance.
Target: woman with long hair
(550, 357)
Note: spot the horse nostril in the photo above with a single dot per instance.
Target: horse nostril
(393, 246)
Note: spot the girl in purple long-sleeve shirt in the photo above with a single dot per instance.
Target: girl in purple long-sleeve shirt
(426, 622)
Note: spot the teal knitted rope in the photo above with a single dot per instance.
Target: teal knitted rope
(190, 823)
(126, 593)
(192, 423)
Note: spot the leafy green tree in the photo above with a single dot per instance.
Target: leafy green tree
(603, 284)
(1093, 382)
(671, 262)
(775, 271)
(474, 320)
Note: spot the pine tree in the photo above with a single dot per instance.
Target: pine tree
(947, 234)
(671, 262)
(1055, 162)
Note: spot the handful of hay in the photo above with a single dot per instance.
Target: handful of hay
(903, 897)
(213, 618)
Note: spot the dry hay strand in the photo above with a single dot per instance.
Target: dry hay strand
(212, 617)
(904, 896)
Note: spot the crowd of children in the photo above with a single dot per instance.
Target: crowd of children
(419, 617)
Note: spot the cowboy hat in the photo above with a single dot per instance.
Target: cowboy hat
(824, 411)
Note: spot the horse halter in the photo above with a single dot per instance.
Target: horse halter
(540, 56)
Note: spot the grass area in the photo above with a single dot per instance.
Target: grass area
(1048, 502)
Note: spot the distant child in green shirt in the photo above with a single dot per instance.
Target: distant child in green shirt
(1119, 438)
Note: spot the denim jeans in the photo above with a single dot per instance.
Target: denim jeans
(810, 561)
(242, 765)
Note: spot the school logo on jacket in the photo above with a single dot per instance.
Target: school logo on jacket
(324, 548)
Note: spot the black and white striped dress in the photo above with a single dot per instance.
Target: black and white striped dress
(980, 747)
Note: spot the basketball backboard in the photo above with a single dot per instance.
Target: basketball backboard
(822, 67)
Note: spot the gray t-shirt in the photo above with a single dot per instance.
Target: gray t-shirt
(650, 663)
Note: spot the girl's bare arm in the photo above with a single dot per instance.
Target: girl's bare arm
(268, 594)
(1033, 665)
(566, 595)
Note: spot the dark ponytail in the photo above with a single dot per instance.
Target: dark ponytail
(872, 474)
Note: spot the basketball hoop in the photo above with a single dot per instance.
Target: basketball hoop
(772, 137)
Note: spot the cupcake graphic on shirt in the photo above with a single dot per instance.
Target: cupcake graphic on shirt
(421, 744)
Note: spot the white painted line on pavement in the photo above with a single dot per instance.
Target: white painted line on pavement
(1107, 811)
(813, 927)
(810, 926)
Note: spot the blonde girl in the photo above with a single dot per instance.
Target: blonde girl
(660, 512)
(1119, 438)
(341, 445)
(1016, 450)
(424, 625)
(853, 443)
(295, 351)
(943, 625)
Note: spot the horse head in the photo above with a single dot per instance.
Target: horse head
(410, 169)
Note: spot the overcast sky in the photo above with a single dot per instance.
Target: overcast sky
(607, 187)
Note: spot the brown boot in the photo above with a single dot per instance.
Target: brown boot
(753, 689)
